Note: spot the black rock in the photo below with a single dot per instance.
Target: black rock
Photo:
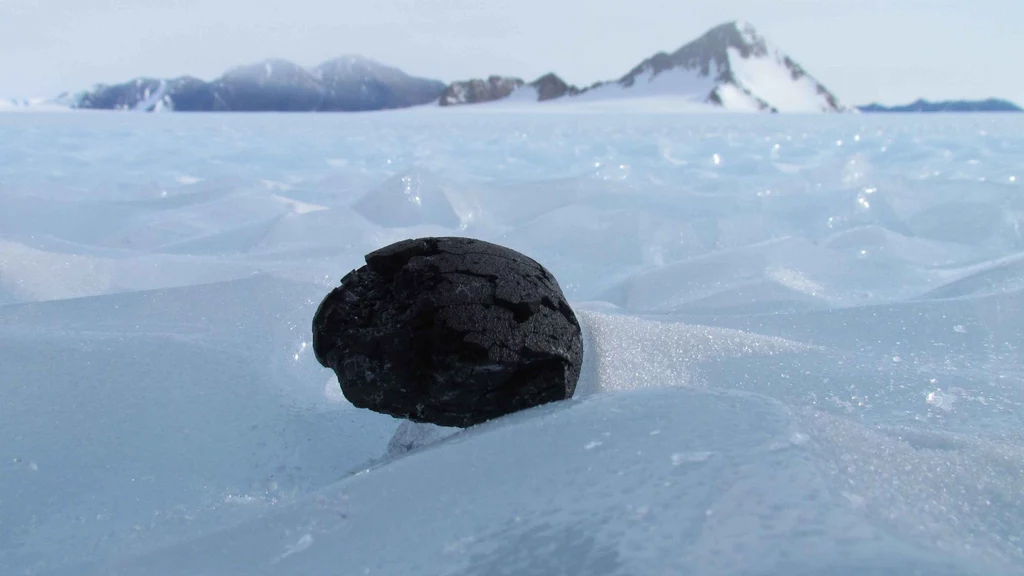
(449, 331)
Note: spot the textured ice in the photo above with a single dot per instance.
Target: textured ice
(803, 345)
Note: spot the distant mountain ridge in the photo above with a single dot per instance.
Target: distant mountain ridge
(346, 84)
(731, 66)
(921, 105)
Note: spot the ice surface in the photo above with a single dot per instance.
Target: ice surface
(803, 344)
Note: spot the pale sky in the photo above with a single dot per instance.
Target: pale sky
(891, 51)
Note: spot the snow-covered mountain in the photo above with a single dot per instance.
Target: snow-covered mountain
(350, 83)
(731, 66)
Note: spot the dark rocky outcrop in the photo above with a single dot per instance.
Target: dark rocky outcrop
(476, 91)
(449, 331)
(550, 86)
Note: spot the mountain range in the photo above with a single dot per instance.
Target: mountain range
(989, 105)
(347, 84)
(731, 66)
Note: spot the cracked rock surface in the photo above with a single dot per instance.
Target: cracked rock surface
(449, 331)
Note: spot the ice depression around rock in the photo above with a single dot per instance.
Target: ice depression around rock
(449, 331)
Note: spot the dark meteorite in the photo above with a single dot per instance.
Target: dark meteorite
(450, 331)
